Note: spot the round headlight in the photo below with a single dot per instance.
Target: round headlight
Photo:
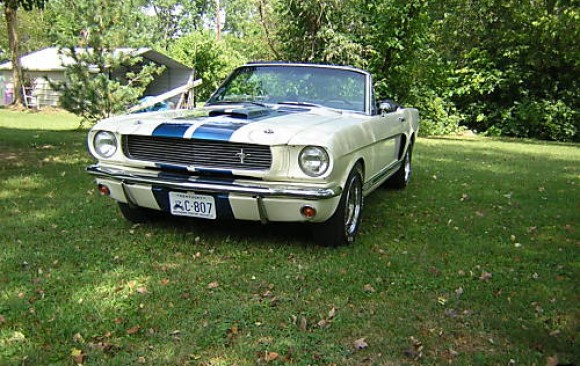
(105, 144)
(313, 160)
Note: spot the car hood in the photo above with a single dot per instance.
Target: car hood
(256, 125)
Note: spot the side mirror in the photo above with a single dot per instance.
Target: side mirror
(387, 106)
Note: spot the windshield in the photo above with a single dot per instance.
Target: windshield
(299, 85)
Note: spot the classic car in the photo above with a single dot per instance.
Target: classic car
(276, 142)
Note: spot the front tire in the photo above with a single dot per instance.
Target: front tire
(342, 227)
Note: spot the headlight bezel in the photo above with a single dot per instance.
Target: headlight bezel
(314, 161)
(105, 144)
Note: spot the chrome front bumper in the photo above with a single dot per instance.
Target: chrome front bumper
(213, 185)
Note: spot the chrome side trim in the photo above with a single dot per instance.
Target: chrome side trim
(382, 176)
(215, 185)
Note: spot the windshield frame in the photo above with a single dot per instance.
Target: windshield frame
(366, 107)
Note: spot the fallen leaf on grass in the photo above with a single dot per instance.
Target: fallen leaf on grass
(416, 352)
(2, 319)
(213, 285)
(104, 347)
(485, 276)
(369, 288)
(267, 356)
(360, 344)
(434, 271)
(133, 330)
(303, 323)
(323, 323)
(552, 361)
(17, 337)
(78, 356)
(78, 338)
(232, 332)
(165, 281)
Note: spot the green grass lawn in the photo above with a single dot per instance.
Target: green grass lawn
(476, 263)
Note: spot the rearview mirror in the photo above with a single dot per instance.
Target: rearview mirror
(387, 106)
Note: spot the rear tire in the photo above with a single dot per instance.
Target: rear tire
(137, 214)
(342, 227)
(401, 178)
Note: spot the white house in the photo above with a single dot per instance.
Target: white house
(48, 63)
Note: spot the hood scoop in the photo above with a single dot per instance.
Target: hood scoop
(241, 113)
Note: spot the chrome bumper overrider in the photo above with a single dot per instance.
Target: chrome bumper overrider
(210, 184)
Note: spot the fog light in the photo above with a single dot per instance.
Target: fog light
(308, 212)
(104, 190)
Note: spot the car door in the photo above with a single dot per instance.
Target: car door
(386, 130)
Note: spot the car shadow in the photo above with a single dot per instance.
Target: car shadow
(273, 233)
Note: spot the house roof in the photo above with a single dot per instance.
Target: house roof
(49, 59)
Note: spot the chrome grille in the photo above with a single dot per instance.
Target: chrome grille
(199, 153)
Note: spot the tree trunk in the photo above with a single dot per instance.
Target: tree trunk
(14, 46)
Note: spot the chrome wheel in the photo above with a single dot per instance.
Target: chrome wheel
(402, 176)
(353, 206)
(407, 166)
(342, 227)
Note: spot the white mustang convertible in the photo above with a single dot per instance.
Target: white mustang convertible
(276, 142)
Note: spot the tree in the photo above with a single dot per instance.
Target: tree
(213, 60)
(101, 81)
(171, 19)
(515, 64)
(73, 22)
(11, 8)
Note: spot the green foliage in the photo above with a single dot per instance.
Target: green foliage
(170, 19)
(515, 65)
(543, 119)
(119, 23)
(27, 5)
(100, 81)
(319, 31)
(438, 116)
(213, 60)
(31, 28)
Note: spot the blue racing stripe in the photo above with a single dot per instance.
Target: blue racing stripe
(219, 131)
(171, 129)
(162, 197)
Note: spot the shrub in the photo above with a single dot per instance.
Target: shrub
(544, 119)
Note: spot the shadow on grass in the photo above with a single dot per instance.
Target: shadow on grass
(294, 234)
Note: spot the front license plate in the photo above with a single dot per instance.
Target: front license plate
(192, 205)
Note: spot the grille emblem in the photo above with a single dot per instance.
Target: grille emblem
(242, 155)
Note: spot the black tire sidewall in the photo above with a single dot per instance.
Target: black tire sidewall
(334, 232)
